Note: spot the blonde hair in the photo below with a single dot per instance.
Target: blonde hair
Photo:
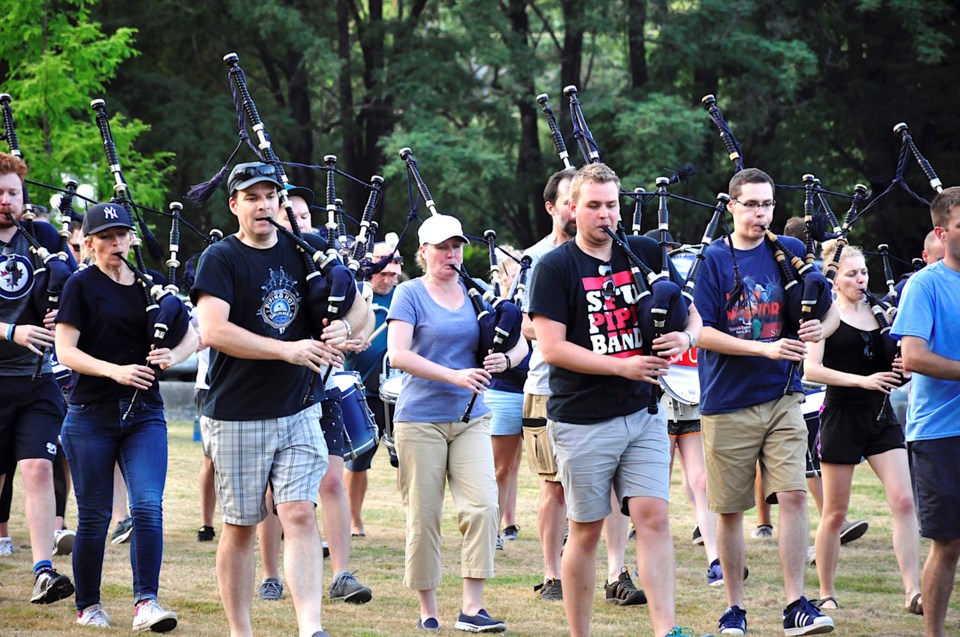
(830, 249)
(502, 261)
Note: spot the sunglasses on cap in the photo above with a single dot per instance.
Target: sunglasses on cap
(266, 170)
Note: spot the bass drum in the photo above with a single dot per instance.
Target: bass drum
(359, 426)
(813, 395)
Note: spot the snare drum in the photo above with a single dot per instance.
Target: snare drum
(812, 404)
(359, 426)
(681, 393)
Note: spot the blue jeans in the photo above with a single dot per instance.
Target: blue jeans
(95, 437)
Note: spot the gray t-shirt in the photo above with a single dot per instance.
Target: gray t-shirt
(446, 337)
(537, 382)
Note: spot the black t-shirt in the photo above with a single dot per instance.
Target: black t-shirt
(112, 321)
(568, 287)
(267, 291)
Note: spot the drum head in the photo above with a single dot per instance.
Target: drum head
(347, 382)
(682, 383)
(813, 399)
(390, 388)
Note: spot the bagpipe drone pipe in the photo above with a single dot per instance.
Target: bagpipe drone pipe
(50, 270)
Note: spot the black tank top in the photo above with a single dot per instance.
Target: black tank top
(854, 351)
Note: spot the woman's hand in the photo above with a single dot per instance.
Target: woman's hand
(161, 358)
(881, 381)
(472, 378)
(496, 363)
(139, 376)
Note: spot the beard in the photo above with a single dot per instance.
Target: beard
(570, 228)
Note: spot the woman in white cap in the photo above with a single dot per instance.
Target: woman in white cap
(433, 336)
(103, 336)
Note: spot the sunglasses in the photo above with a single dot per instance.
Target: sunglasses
(867, 345)
(609, 289)
(267, 170)
(397, 259)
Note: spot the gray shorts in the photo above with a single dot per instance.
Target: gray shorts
(631, 453)
(287, 452)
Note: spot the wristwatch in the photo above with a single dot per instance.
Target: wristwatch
(693, 340)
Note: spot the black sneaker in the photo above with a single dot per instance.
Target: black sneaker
(697, 538)
(803, 618)
(623, 592)
(851, 531)
(50, 587)
(550, 590)
(122, 532)
(206, 534)
(511, 533)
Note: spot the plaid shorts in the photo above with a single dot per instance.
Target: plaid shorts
(287, 452)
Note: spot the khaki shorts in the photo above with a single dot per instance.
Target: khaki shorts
(540, 454)
(773, 433)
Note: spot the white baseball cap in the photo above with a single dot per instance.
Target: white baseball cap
(439, 228)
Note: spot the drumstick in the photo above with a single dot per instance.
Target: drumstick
(376, 333)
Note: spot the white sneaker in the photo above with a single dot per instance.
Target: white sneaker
(6, 546)
(149, 615)
(63, 541)
(94, 616)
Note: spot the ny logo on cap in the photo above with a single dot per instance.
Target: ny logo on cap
(110, 213)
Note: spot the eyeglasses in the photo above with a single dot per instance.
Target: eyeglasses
(753, 205)
(609, 289)
(398, 259)
(867, 345)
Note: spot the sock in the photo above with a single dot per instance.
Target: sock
(41, 567)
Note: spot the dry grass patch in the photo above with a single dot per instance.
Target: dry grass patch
(868, 581)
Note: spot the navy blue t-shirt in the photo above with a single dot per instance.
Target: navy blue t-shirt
(112, 321)
(267, 292)
(729, 383)
(568, 287)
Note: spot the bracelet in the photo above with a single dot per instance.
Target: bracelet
(509, 362)
(692, 341)
(349, 327)
(11, 329)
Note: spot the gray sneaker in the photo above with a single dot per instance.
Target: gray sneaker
(346, 587)
(6, 546)
(270, 589)
(123, 530)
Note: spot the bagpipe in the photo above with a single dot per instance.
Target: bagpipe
(168, 318)
(50, 270)
(661, 304)
(500, 324)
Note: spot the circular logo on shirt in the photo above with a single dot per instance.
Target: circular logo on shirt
(280, 302)
(16, 277)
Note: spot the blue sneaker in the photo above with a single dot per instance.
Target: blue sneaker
(482, 622)
(430, 623)
(677, 631)
(733, 621)
(803, 618)
(715, 573)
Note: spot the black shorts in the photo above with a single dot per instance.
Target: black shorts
(936, 484)
(31, 413)
(331, 422)
(680, 428)
(849, 434)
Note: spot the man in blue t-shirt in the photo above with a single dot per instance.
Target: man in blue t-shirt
(251, 295)
(747, 356)
(585, 311)
(926, 323)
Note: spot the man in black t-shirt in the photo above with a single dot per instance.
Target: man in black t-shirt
(585, 314)
(251, 292)
(31, 410)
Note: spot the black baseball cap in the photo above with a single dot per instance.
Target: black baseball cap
(301, 191)
(104, 216)
(253, 172)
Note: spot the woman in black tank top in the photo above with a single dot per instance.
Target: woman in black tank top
(858, 423)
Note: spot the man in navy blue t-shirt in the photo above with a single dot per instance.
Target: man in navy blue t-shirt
(747, 356)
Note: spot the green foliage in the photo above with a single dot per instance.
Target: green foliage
(57, 64)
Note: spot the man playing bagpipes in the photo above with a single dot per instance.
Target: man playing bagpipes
(590, 326)
(251, 293)
(749, 353)
(31, 409)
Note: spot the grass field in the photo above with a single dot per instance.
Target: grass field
(868, 584)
